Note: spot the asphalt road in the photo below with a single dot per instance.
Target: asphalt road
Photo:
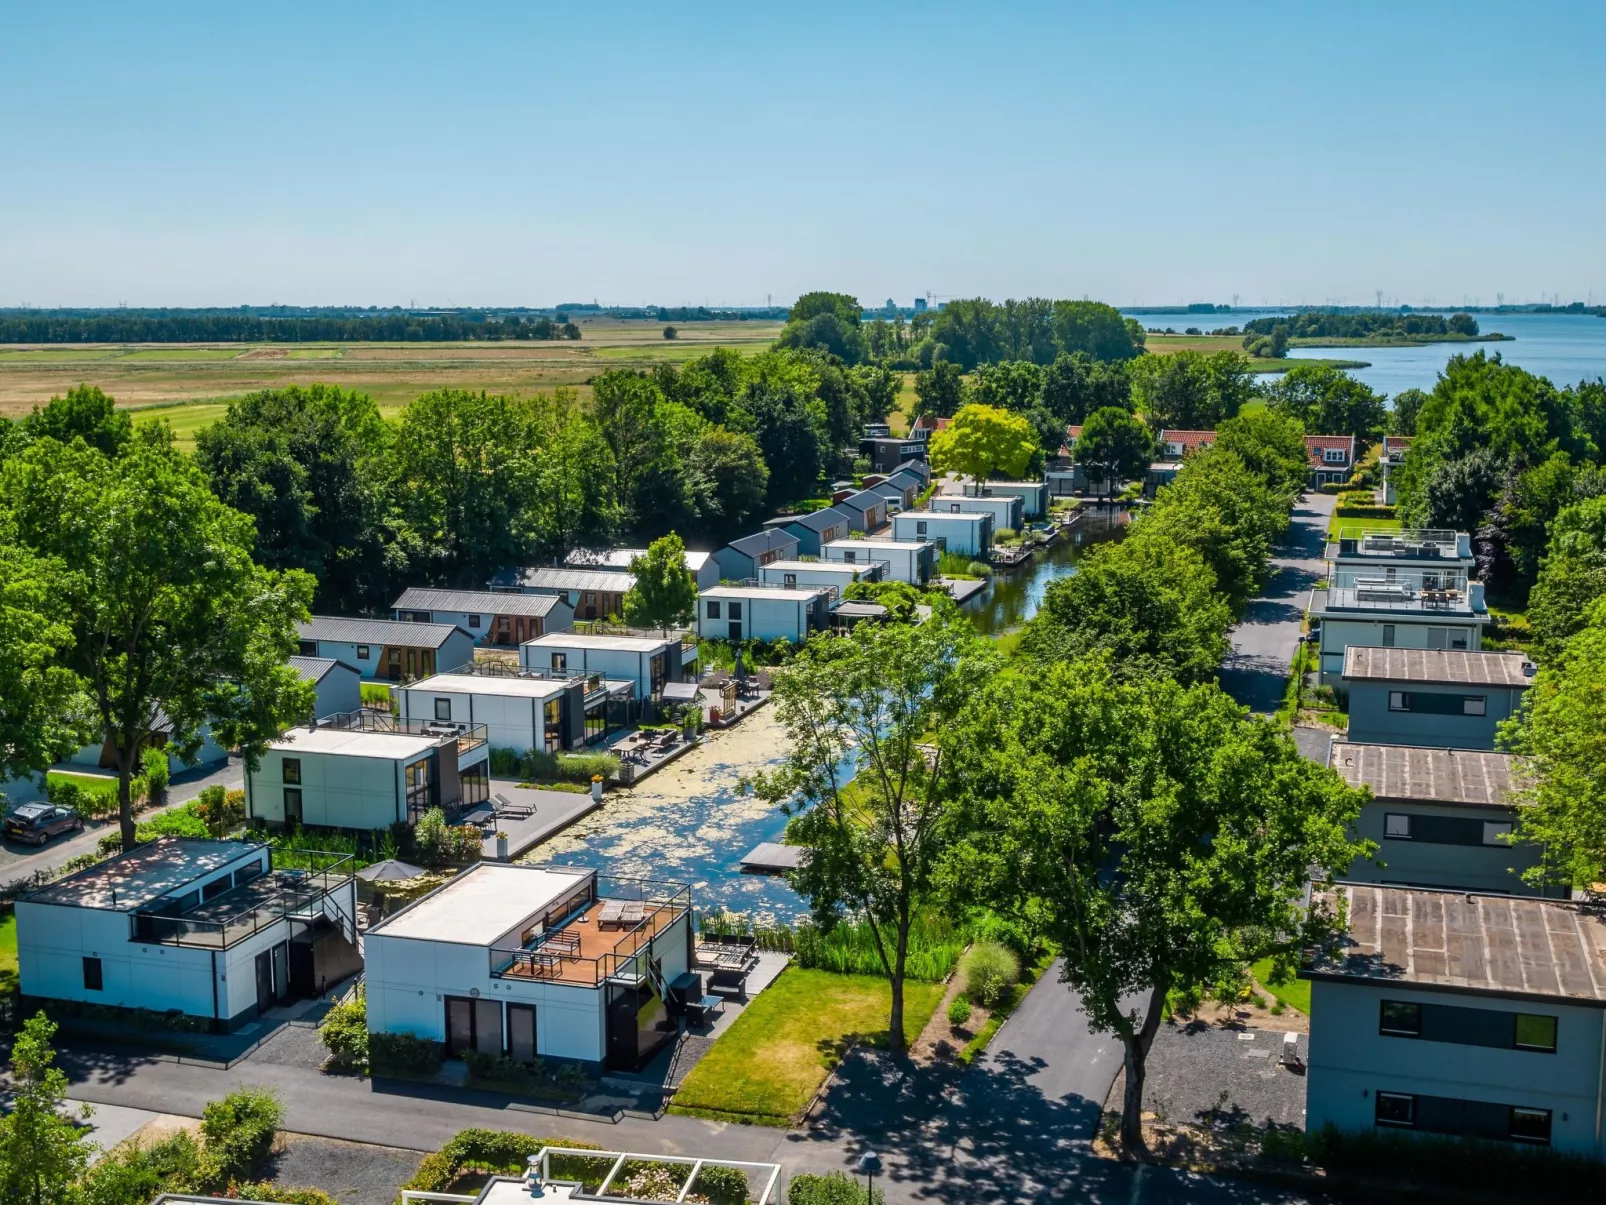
(1256, 671)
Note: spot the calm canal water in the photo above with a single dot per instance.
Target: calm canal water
(1013, 598)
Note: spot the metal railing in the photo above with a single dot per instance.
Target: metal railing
(467, 736)
(550, 956)
(601, 627)
(1412, 542)
(1365, 588)
(257, 904)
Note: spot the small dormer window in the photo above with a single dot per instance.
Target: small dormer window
(1334, 455)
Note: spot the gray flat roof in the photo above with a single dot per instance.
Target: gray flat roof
(784, 593)
(845, 568)
(491, 602)
(495, 685)
(377, 631)
(961, 516)
(621, 644)
(145, 873)
(878, 542)
(620, 558)
(355, 742)
(1470, 776)
(1449, 667)
(1502, 944)
(482, 903)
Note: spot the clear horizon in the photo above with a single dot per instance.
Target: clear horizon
(1433, 154)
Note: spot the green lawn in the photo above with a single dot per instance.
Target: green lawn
(185, 353)
(1295, 993)
(768, 1065)
(1369, 524)
(95, 784)
(8, 954)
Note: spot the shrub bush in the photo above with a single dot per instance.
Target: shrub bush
(504, 763)
(496, 1152)
(837, 1188)
(344, 1032)
(1351, 510)
(404, 1053)
(156, 770)
(850, 948)
(280, 1195)
(92, 803)
(569, 767)
(187, 820)
(958, 1011)
(721, 1185)
(132, 1173)
(239, 1131)
(498, 1067)
(989, 970)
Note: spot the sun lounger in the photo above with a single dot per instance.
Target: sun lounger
(505, 807)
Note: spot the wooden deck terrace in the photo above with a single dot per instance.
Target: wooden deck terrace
(578, 951)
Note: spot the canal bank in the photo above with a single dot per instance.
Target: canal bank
(1014, 595)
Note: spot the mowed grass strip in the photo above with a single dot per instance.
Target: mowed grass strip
(767, 1066)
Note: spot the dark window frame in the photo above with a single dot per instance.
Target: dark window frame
(362, 652)
(713, 608)
(438, 701)
(1400, 1028)
(94, 974)
(290, 771)
(1513, 1129)
(1394, 1123)
(1532, 1048)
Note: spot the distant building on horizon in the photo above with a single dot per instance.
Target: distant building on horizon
(920, 305)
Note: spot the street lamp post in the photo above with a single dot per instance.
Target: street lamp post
(869, 1164)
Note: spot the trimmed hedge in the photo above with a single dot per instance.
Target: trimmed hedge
(492, 1153)
(404, 1053)
(1364, 512)
(344, 1032)
(239, 1130)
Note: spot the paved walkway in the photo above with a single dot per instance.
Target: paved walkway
(1256, 671)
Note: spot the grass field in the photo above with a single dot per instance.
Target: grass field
(8, 954)
(768, 1065)
(1163, 344)
(1335, 523)
(1295, 993)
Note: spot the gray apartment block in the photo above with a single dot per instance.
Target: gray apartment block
(1453, 1013)
(1441, 697)
(1439, 817)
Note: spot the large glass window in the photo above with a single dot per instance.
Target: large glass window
(443, 709)
(1536, 1032)
(1397, 825)
(92, 975)
(1396, 1109)
(1400, 1019)
(1530, 1125)
(476, 784)
(552, 718)
(290, 770)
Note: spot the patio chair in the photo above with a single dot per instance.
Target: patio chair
(612, 914)
(507, 809)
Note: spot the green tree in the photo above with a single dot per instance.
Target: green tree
(1561, 728)
(649, 478)
(1572, 575)
(175, 628)
(1189, 391)
(1154, 609)
(41, 700)
(42, 1150)
(1097, 329)
(85, 413)
(575, 505)
(828, 322)
(981, 441)
(866, 800)
(1272, 447)
(665, 593)
(1114, 446)
(729, 481)
(939, 390)
(1075, 385)
(1326, 401)
(1161, 836)
(1402, 414)
(790, 440)
(1009, 384)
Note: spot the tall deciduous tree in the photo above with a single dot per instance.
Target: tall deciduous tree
(1190, 391)
(1326, 401)
(175, 629)
(729, 480)
(939, 390)
(85, 413)
(42, 1149)
(982, 440)
(42, 705)
(1162, 836)
(665, 593)
(863, 782)
(1114, 446)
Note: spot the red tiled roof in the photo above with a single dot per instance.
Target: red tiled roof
(1315, 444)
(1396, 441)
(1191, 441)
(927, 422)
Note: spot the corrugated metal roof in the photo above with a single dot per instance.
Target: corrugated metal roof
(566, 578)
(491, 602)
(1472, 776)
(620, 558)
(764, 541)
(819, 520)
(1451, 667)
(313, 669)
(1483, 943)
(863, 500)
(378, 631)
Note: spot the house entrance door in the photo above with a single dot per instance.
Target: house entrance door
(264, 974)
(735, 630)
(459, 1025)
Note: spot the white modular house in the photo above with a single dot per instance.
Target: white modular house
(1449, 699)
(1474, 1016)
(209, 929)
(837, 575)
(967, 533)
(1005, 509)
(743, 558)
(912, 561)
(763, 612)
(492, 617)
(389, 650)
(703, 566)
(534, 962)
(339, 686)
(649, 660)
(1033, 495)
(590, 593)
(1398, 589)
(1439, 817)
(368, 770)
(520, 713)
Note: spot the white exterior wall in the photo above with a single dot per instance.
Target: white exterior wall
(337, 789)
(1410, 632)
(962, 534)
(455, 651)
(338, 693)
(622, 665)
(1349, 1057)
(762, 618)
(1033, 495)
(559, 619)
(820, 573)
(903, 564)
(1005, 510)
(511, 721)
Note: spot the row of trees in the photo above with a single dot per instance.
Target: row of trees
(1362, 324)
(131, 327)
(1098, 790)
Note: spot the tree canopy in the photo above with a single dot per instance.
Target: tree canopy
(1326, 401)
(982, 440)
(665, 593)
(1114, 446)
(1190, 391)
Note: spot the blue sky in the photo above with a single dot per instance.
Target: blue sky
(215, 154)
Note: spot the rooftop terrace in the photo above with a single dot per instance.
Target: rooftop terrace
(1368, 588)
(1410, 544)
(146, 872)
(1498, 944)
(369, 733)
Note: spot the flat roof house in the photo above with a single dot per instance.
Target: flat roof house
(866, 509)
(1477, 1016)
(209, 929)
(368, 770)
(835, 575)
(1393, 456)
(702, 564)
(495, 617)
(1033, 495)
(1439, 817)
(648, 660)
(763, 612)
(1439, 697)
(390, 650)
(517, 712)
(886, 453)
(592, 593)
(912, 561)
(815, 529)
(534, 962)
(1399, 589)
(1332, 458)
(968, 533)
(1005, 509)
(339, 686)
(742, 558)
